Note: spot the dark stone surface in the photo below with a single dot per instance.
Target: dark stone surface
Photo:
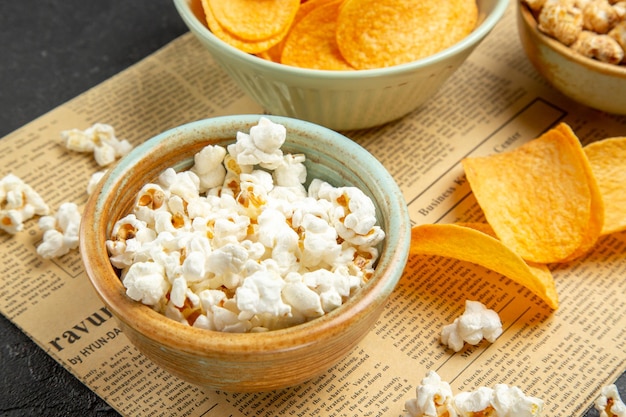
(51, 51)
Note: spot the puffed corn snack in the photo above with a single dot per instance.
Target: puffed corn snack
(475, 324)
(100, 139)
(593, 28)
(609, 403)
(18, 202)
(238, 244)
(434, 398)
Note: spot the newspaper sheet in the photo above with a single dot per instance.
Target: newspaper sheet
(495, 102)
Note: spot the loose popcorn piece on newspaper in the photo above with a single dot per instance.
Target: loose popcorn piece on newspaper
(434, 398)
(609, 403)
(60, 231)
(100, 139)
(18, 202)
(475, 324)
(93, 181)
(237, 244)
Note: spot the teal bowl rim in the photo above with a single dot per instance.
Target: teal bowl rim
(375, 292)
(483, 29)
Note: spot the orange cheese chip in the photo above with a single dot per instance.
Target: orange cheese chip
(254, 20)
(254, 46)
(608, 163)
(475, 246)
(382, 33)
(275, 53)
(541, 199)
(311, 42)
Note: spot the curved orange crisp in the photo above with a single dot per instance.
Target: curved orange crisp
(608, 163)
(254, 20)
(275, 52)
(541, 199)
(470, 245)
(382, 33)
(311, 42)
(245, 45)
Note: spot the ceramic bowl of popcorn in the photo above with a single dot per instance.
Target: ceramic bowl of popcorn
(246, 253)
(340, 100)
(589, 81)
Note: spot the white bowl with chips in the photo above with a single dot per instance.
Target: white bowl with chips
(341, 100)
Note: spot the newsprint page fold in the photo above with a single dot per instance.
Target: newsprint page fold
(494, 103)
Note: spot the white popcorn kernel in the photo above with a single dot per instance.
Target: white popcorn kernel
(260, 293)
(261, 146)
(510, 401)
(354, 215)
(433, 398)
(12, 221)
(145, 282)
(332, 287)
(194, 266)
(291, 172)
(104, 154)
(186, 185)
(19, 202)
(475, 324)
(275, 233)
(228, 321)
(468, 404)
(178, 292)
(100, 139)
(209, 167)
(211, 298)
(77, 140)
(609, 403)
(60, 231)
(320, 242)
(94, 180)
(203, 322)
(303, 299)
(229, 230)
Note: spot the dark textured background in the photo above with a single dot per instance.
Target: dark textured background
(51, 51)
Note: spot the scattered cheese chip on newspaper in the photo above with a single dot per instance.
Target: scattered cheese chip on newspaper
(608, 163)
(541, 199)
(472, 243)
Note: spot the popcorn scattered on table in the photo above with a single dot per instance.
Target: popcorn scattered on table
(60, 231)
(475, 324)
(100, 139)
(18, 203)
(94, 180)
(237, 244)
(609, 403)
(434, 398)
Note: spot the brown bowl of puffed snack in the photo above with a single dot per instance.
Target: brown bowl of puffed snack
(579, 51)
(246, 253)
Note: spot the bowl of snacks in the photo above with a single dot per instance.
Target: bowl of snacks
(243, 253)
(343, 65)
(578, 50)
